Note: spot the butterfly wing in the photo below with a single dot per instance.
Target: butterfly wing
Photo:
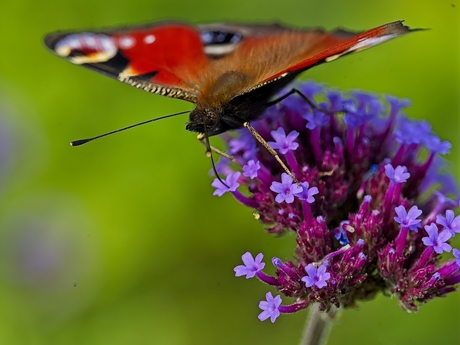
(192, 63)
(164, 58)
(264, 54)
(334, 45)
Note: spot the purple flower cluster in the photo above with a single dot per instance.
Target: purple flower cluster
(372, 211)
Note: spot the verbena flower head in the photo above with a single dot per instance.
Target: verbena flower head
(372, 211)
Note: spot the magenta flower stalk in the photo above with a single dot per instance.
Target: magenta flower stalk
(373, 209)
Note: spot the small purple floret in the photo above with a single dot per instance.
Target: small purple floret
(315, 119)
(243, 143)
(307, 193)
(434, 144)
(398, 175)
(286, 189)
(316, 276)
(284, 143)
(251, 266)
(232, 182)
(412, 131)
(396, 103)
(310, 89)
(270, 307)
(353, 119)
(456, 253)
(250, 170)
(408, 219)
(341, 236)
(449, 222)
(437, 240)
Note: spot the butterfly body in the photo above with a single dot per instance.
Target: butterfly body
(230, 71)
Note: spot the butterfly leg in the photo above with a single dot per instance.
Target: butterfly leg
(261, 140)
(305, 98)
(202, 139)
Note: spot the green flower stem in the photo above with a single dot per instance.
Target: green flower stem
(318, 326)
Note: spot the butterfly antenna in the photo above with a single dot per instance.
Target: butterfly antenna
(209, 154)
(84, 141)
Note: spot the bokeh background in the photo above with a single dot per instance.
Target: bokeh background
(121, 241)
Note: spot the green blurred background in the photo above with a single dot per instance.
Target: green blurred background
(121, 241)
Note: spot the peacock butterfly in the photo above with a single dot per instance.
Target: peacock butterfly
(230, 71)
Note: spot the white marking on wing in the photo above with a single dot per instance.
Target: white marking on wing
(126, 42)
(149, 39)
(93, 47)
(363, 44)
(370, 42)
(219, 49)
(89, 41)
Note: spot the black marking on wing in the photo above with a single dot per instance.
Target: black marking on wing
(112, 67)
(146, 77)
(212, 37)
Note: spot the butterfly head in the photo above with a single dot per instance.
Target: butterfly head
(206, 121)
